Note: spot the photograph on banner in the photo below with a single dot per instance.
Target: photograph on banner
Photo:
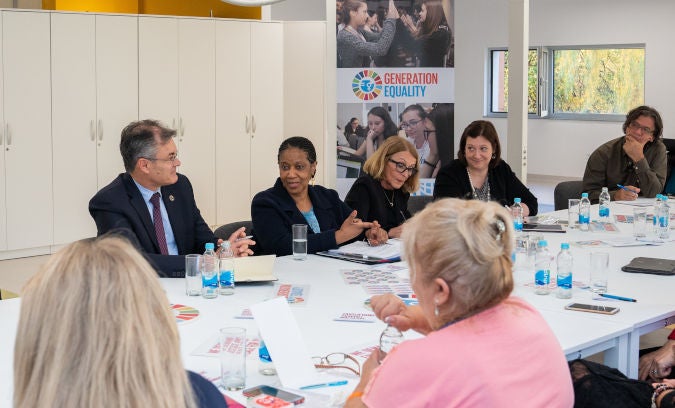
(428, 126)
(404, 33)
(395, 77)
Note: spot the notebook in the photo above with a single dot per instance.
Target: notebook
(654, 266)
(258, 268)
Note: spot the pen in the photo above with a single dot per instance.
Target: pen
(330, 384)
(246, 237)
(626, 189)
(625, 299)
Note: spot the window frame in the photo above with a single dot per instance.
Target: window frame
(546, 85)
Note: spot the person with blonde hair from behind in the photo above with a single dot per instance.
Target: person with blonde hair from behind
(483, 347)
(95, 330)
(382, 193)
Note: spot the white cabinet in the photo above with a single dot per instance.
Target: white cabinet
(249, 113)
(26, 106)
(94, 95)
(177, 75)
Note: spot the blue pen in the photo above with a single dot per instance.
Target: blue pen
(626, 189)
(330, 384)
(625, 299)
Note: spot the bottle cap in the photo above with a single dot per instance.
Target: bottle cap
(209, 245)
(516, 200)
(584, 195)
(543, 243)
(226, 244)
(564, 245)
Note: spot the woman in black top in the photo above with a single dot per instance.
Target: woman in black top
(480, 173)
(382, 193)
(432, 33)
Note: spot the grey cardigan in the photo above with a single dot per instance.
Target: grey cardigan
(353, 52)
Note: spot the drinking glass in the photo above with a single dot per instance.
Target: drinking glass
(233, 358)
(300, 242)
(639, 222)
(599, 271)
(193, 276)
(572, 212)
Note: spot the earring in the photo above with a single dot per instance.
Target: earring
(494, 156)
(312, 181)
(436, 312)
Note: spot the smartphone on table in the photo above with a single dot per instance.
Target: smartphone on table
(581, 307)
(287, 396)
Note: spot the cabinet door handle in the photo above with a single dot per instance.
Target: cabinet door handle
(92, 130)
(8, 135)
(1, 135)
(100, 130)
(253, 123)
(181, 127)
(173, 123)
(247, 127)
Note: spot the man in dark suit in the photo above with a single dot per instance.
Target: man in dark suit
(153, 205)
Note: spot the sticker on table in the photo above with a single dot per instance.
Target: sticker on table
(356, 317)
(184, 313)
(294, 294)
(211, 347)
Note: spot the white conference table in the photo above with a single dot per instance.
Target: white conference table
(580, 334)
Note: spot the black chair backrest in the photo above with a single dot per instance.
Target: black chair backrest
(564, 191)
(224, 231)
(417, 203)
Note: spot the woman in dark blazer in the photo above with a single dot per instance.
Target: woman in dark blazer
(293, 200)
(382, 193)
(480, 173)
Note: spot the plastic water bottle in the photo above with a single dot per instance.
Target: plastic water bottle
(604, 204)
(664, 218)
(542, 268)
(390, 338)
(655, 218)
(584, 212)
(265, 366)
(209, 269)
(226, 274)
(517, 213)
(564, 278)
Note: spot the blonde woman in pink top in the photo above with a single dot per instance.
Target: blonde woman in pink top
(483, 348)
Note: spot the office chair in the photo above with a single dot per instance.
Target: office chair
(564, 191)
(417, 203)
(224, 231)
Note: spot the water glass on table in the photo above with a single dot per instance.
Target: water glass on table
(233, 358)
(572, 212)
(599, 271)
(639, 222)
(193, 276)
(300, 242)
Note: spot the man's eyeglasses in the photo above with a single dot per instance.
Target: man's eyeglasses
(171, 160)
(402, 168)
(338, 360)
(410, 124)
(644, 129)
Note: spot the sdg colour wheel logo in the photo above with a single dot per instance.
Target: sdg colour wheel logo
(367, 85)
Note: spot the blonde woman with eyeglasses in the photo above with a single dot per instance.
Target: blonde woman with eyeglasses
(637, 160)
(382, 193)
(482, 346)
(96, 330)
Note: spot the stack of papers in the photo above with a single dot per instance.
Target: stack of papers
(361, 252)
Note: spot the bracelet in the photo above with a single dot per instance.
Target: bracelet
(658, 390)
(355, 394)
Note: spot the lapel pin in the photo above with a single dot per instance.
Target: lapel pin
(171, 197)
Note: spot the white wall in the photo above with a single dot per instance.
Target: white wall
(561, 147)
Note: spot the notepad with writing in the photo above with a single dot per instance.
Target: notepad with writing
(361, 252)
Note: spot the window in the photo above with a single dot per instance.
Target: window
(587, 83)
(499, 90)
